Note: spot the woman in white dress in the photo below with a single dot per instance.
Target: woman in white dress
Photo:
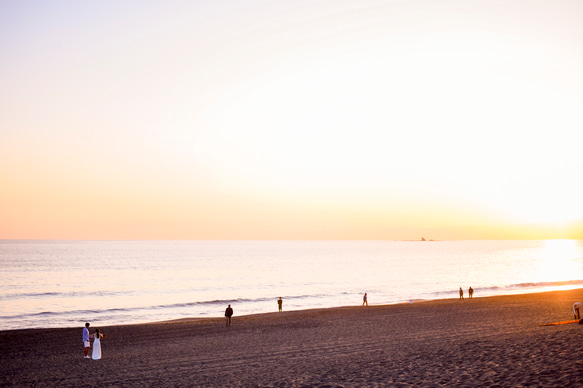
(96, 355)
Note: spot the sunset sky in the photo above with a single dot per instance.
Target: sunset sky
(327, 119)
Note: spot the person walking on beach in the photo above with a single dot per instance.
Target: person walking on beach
(461, 294)
(365, 300)
(86, 342)
(471, 292)
(228, 315)
(280, 303)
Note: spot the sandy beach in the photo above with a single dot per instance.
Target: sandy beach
(490, 341)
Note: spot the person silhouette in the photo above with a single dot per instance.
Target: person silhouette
(228, 315)
(280, 303)
(471, 292)
(461, 294)
(365, 299)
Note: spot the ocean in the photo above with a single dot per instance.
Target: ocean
(48, 284)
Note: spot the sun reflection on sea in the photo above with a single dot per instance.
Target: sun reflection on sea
(559, 260)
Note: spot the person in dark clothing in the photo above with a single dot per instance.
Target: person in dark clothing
(228, 315)
(280, 303)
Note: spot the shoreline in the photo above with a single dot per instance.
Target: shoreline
(493, 340)
(351, 307)
(196, 318)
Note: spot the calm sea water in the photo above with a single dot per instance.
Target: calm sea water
(66, 283)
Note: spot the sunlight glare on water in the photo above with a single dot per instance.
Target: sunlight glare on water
(558, 260)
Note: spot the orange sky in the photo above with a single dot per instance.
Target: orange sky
(291, 120)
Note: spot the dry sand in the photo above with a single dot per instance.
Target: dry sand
(493, 341)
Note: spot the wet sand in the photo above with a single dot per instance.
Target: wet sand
(491, 341)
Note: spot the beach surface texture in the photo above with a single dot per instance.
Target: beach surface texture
(491, 341)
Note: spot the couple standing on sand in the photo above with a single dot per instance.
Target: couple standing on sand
(470, 291)
(97, 336)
